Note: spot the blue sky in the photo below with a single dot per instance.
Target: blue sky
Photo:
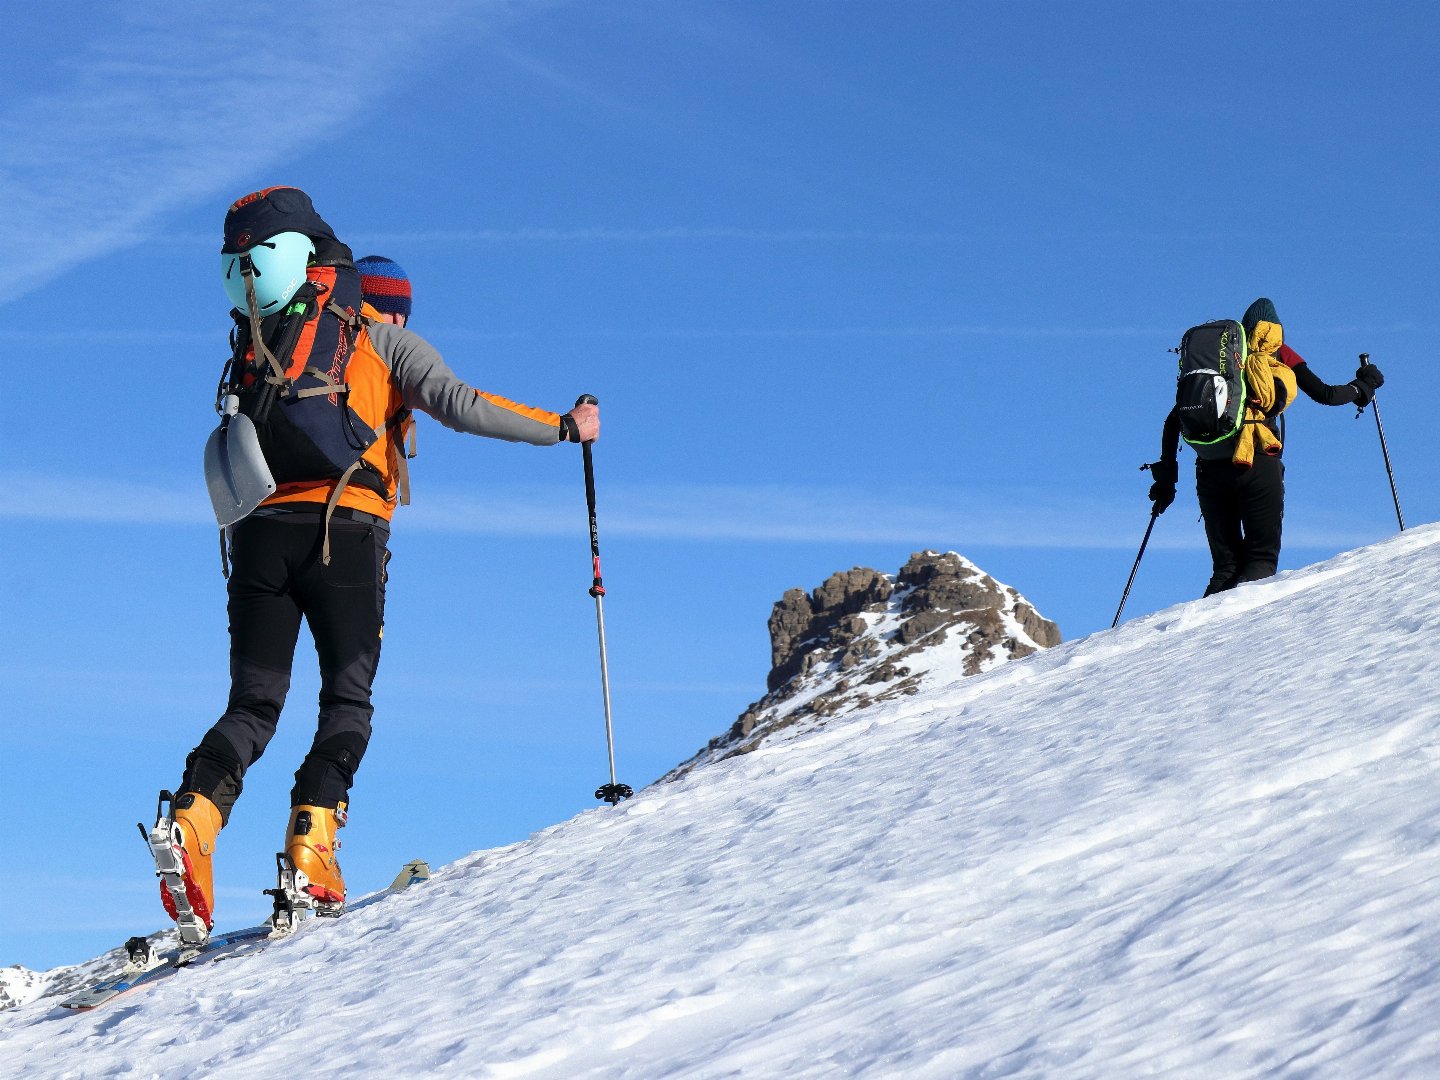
(849, 279)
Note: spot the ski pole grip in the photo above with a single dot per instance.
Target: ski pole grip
(590, 493)
(598, 588)
(588, 399)
(1360, 409)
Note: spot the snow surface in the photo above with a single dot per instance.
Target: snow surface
(1204, 844)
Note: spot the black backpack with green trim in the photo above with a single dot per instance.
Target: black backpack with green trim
(1210, 386)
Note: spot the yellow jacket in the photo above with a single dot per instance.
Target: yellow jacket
(1265, 375)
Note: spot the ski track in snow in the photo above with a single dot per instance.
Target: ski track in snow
(1206, 843)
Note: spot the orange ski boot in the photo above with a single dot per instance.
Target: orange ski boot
(311, 847)
(192, 833)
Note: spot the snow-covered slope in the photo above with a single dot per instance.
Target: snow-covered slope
(1205, 844)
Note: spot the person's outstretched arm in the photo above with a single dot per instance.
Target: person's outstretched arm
(1358, 391)
(428, 385)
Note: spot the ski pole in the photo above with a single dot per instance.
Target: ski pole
(1384, 450)
(612, 792)
(1136, 568)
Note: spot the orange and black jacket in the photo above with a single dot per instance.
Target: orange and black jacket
(392, 373)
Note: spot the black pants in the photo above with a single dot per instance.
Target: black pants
(277, 579)
(1243, 511)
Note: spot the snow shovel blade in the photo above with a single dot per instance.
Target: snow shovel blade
(235, 470)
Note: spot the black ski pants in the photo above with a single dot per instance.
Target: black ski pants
(276, 579)
(1243, 511)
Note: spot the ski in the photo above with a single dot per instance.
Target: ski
(147, 965)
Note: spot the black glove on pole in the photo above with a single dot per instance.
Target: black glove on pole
(612, 792)
(1162, 491)
(1384, 449)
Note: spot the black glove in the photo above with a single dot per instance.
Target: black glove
(1162, 491)
(1367, 380)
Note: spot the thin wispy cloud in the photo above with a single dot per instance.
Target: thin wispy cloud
(59, 335)
(995, 245)
(1001, 243)
(944, 330)
(34, 497)
(565, 83)
(879, 332)
(683, 233)
(999, 239)
(944, 517)
(166, 105)
(116, 334)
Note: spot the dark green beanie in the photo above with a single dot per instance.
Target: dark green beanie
(1261, 310)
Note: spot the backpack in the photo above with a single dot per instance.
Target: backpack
(294, 391)
(287, 413)
(1210, 392)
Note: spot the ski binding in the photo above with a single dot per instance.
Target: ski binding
(169, 856)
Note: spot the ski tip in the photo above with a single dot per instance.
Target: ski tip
(411, 873)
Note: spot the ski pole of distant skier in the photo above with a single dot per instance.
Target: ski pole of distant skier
(1384, 449)
(612, 792)
(1136, 568)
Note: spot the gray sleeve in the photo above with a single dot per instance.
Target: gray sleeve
(428, 385)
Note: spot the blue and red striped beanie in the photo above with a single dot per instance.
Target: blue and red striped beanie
(385, 285)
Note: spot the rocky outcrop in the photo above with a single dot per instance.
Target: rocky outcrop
(799, 621)
(862, 637)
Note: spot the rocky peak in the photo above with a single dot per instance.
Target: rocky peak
(832, 614)
(863, 637)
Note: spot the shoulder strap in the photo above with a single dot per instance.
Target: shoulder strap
(273, 358)
(276, 376)
(351, 320)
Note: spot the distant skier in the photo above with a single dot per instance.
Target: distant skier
(317, 548)
(1242, 492)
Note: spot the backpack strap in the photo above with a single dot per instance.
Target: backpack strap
(270, 360)
(402, 478)
(408, 451)
(353, 324)
(402, 463)
(330, 505)
(350, 323)
(396, 422)
(330, 387)
(276, 376)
